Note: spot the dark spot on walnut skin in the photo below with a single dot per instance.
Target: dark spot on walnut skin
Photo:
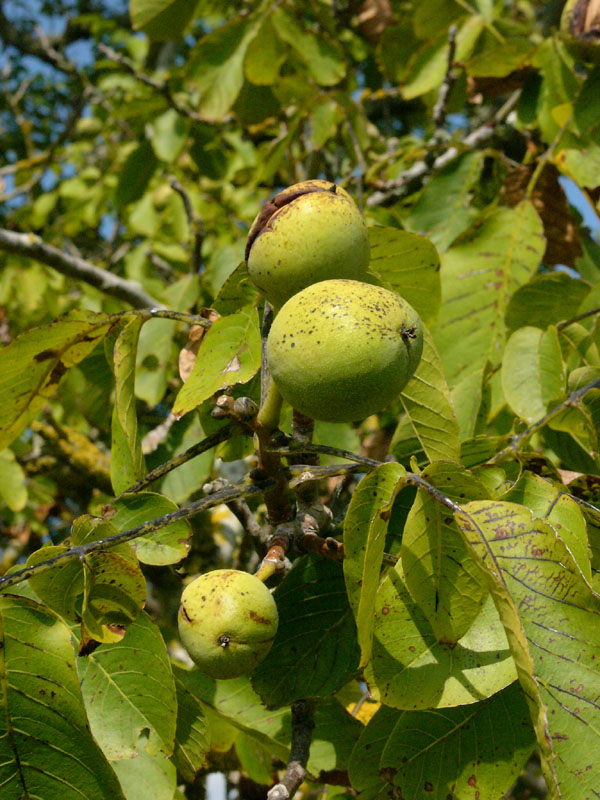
(257, 618)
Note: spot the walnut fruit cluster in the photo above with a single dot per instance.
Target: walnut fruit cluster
(340, 349)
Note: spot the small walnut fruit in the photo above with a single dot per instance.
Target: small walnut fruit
(309, 232)
(227, 622)
(342, 350)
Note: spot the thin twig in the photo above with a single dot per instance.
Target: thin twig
(162, 87)
(565, 323)
(571, 400)
(303, 723)
(194, 222)
(439, 110)
(79, 552)
(31, 246)
(243, 513)
(328, 451)
(394, 190)
(226, 432)
(360, 162)
(545, 157)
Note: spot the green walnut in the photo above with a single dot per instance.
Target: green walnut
(342, 350)
(309, 232)
(227, 622)
(580, 28)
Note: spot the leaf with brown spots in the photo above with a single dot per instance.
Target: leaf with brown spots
(461, 753)
(551, 616)
(46, 746)
(365, 529)
(32, 366)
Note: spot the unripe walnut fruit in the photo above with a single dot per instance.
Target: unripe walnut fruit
(227, 622)
(341, 350)
(309, 232)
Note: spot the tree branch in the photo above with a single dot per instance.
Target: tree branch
(303, 724)
(195, 223)
(79, 552)
(226, 432)
(572, 400)
(391, 191)
(29, 45)
(439, 110)
(31, 246)
(162, 87)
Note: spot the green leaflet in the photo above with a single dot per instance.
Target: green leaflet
(32, 366)
(229, 354)
(479, 273)
(365, 529)
(551, 617)
(533, 375)
(441, 754)
(46, 749)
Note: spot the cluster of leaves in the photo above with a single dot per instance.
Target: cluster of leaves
(481, 642)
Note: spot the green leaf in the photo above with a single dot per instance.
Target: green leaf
(146, 775)
(237, 292)
(411, 669)
(439, 571)
(323, 56)
(429, 410)
(168, 134)
(546, 300)
(161, 20)
(143, 218)
(334, 734)
(583, 166)
(13, 489)
(127, 462)
(128, 688)
(479, 272)
(500, 58)
(135, 174)
(192, 736)
(467, 397)
(550, 615)
(229, 354)
(265, 55)
(153, 358)
(315, 651)
(46, 749)
(189, 477)
(443, 222)
(114, 594)
(559, 88)
(587, 106)
(255, 758)
(473, 751)
(408, 264)
(533, 374)
(365, 528)
(101, 590)
(549, 501)
(32, 365)
(324, 118)
(428, 65)
(217, 66)
(167, 545)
